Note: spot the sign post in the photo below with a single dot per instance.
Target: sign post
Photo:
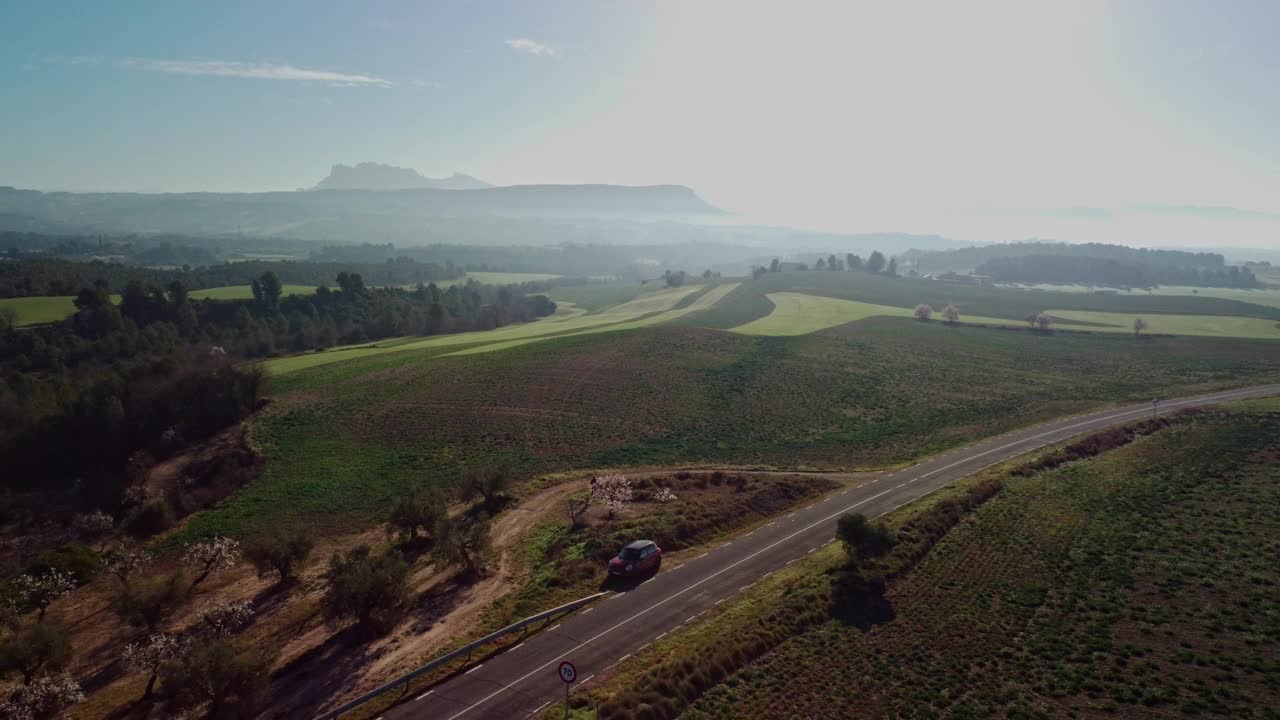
(1155, 407)
(568, 673)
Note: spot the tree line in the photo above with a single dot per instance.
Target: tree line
(1089, 270)
(30, 278)
(876, 263)
(972, 257)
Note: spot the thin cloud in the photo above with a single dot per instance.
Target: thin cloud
(250, 71)
(533, 47)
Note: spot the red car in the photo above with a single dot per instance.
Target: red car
(638, 558)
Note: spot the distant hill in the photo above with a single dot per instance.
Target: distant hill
(339, 215)
(376, 176)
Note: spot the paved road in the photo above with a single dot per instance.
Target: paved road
(521, 681)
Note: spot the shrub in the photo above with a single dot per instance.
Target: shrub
(35, 649)
(150, 603)
(489, 483)
(372, 590)
(862, 539)
(73, 559)
(234, 683)
(150, 519)
(280, 552)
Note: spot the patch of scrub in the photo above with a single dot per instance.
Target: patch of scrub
(801, 314)
(508, 278)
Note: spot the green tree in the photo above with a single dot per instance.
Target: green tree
(489, 483)
(373, 590)
(36, 648)
(281, 551)
(775, 266)
(266, 291)
(862, 539)
(892, 270)
(148, 604)
(465, 545)
(417, 511)
(852, 262)
(234, 683)
(876, 262)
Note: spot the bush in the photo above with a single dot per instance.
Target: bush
(280, 552)
(234, 683)
(150, 603)
(465, 545)
(74, 559)
(372, 590)
(150, 519)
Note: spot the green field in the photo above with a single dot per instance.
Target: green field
(37, 310)
(750, 301)
(503, 278)
(651, 308)
(341, 440)
(245, 292)
(1141, 583)
(1206, 325)
(797, 314)
(596, 297)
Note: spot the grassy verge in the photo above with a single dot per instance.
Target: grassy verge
(1140, 583)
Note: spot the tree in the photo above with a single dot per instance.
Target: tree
(675, 279)
(150, 603)
(613, 491)
(576, 507)
(351, 284)
(266, 292)
(775, 266)
(211, 556)
(42, 699)
(151, 655)
(951, 313)
(280, 551)
(757, 273)
(1031, 319)
(822, 264)
(1138, 326)
(487, 482)
(372, 589)
(892, 270)
(852, 262)
(126, 561)
(34, 649)
(39, 591)
(416, 511)
(834, 263)
(234, 683)
(862, 539)
(923, 312)
(1043, 320)
(93, 525)
(464, 545)
(876, 262)
(226, 619)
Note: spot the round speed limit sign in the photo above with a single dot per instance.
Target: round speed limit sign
(568, 672)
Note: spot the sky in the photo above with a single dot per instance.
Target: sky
(986, 119)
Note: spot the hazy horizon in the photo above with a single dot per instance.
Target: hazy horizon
(992, 121)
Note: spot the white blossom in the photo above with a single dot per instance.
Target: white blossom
(664, 495)
(42, 590)
(228, 618)
(126, 561)
(613, 492)
(152, 653)
(45, 696)
(212, 556)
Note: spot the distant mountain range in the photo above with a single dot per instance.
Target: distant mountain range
(376, 176)
(335, 215)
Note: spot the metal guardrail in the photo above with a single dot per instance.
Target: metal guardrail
(404, 680)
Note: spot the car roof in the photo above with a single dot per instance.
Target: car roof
(639, 545)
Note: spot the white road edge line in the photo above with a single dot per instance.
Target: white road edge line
(473, 669)
(1102, 418)
(424, 694)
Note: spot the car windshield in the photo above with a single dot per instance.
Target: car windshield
(629, 553)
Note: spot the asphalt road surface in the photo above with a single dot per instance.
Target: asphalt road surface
(524, 679)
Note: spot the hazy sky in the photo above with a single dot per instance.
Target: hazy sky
(970, 119)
